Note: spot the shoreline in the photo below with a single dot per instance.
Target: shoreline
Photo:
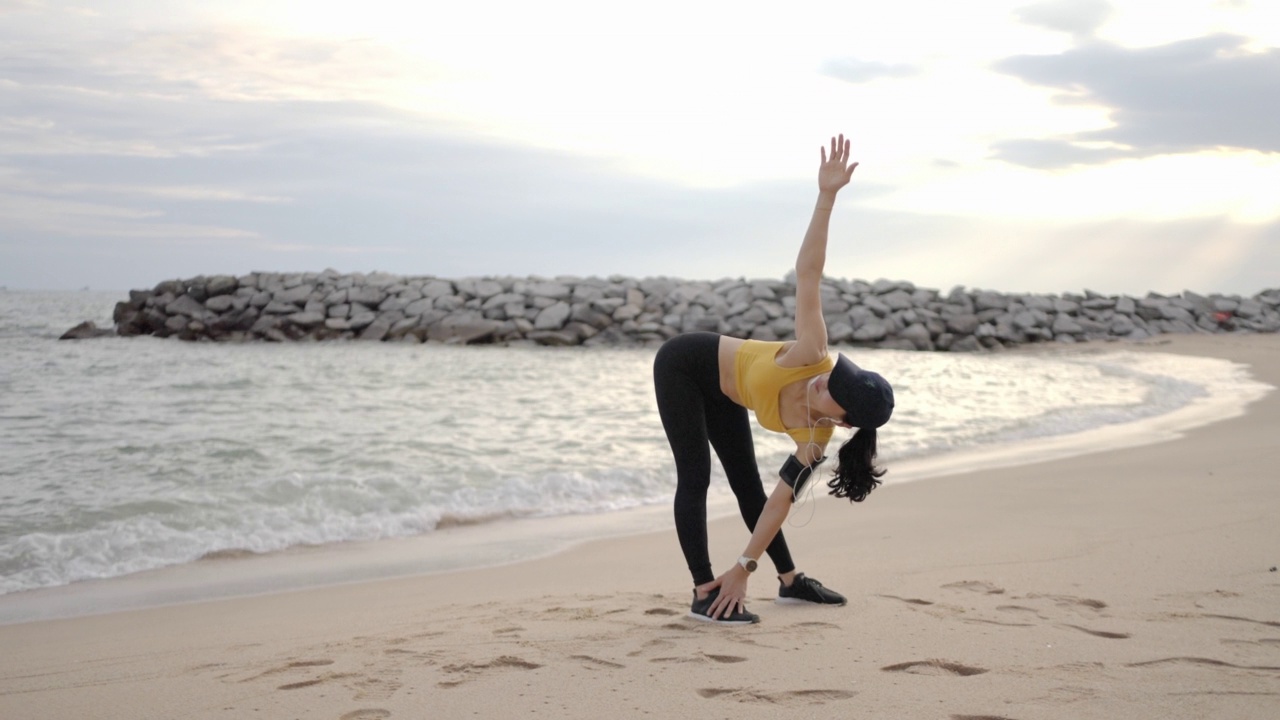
(490, 545)
(1124, 583)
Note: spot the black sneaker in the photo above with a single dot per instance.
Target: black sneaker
(701, 610)
(805, 589)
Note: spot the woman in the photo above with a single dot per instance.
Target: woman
(705, 384)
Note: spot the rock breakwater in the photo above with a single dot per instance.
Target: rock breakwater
(625, 311)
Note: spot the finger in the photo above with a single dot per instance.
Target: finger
(824, 155)
(844, 149)
(834, 148)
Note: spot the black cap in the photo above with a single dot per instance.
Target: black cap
(866, 397)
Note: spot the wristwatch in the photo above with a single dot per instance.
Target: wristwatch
(747, 564)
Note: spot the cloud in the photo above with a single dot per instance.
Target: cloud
(1194, 95)
(860, 71)
(16, 6)
(1081, 18)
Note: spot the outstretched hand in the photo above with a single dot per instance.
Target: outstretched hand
(835, 171)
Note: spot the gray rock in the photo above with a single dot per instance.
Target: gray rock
(376, 330)
(187, 305)
(897, 300)
(276, 307)
(990, 301)
(1038, 302)
(556, 291)
(963, 324)
(437, 288)
(1028, 320)
(1249, 309)
(553, 317)
(394, 302)
(870, 332)
(918, 336)
(219, 285)
(220, 303)
(85, 331)
(501, 299)
(1064, 324)
(366, 295)
(1173, 312)
(294, 295)
(839, 332)
(877, 307)
(484, 289)
(463, 330)
(306, 319)
(361, 320)
(555, 338)
(176, 323)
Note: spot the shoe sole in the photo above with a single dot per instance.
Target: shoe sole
(705, 619)
(798, 601)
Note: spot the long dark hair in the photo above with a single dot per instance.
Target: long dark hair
(856, 474)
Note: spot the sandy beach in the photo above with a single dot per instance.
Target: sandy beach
(1130, 583)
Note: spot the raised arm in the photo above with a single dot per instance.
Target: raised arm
(811, 328)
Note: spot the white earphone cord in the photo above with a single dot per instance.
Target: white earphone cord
(808, 485)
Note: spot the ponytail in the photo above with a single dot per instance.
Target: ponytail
(856, 474)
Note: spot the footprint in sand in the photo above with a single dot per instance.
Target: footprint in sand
(1201, 661)
(1020, 609)
(1264, 642)
(983, 621)
(1100, 633)
(909, 601)
(1237, 618)
(314, 681)
(793, 697)
(367, 714)
(597, 661)
(935, 667)
(976, 586)
(287, 667)
(725, 658)
(1070, 601)
(468, 671)
(661, 611)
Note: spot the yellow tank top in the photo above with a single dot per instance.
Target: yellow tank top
(760, 379)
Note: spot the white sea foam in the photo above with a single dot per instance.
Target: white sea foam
(123, 455)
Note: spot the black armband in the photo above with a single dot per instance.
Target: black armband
(795, 474)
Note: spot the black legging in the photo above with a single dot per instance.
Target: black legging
(686, 376)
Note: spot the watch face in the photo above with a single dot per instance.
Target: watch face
(750, 565)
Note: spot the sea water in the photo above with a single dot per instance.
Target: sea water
(122, 455)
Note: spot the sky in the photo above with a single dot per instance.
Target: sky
(1049, 147)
